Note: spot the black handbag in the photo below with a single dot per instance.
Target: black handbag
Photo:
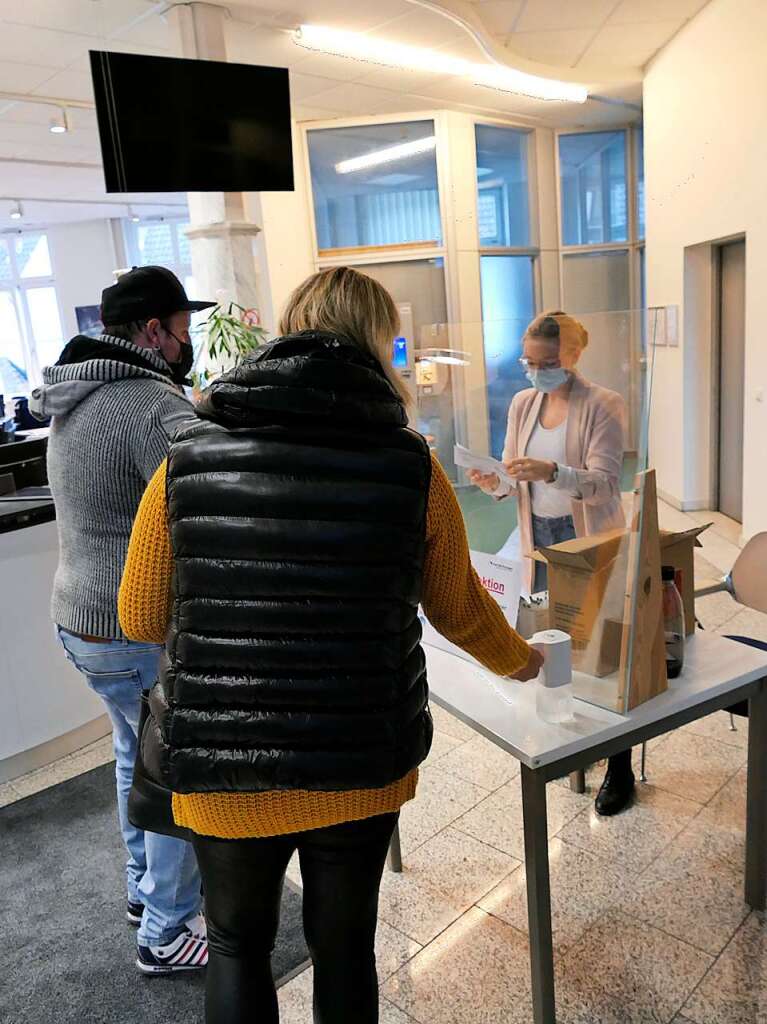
(150, 804)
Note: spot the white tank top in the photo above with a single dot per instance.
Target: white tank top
(549, 501)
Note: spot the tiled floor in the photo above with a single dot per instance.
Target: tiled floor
(649, 921)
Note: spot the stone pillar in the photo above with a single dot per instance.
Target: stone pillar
(220, 234)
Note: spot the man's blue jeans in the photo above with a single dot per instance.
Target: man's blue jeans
(162, 872)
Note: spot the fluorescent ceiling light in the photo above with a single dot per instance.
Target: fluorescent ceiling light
(504, 79)
(450, 356)
(388, 155)
(16, 212)
(362, 47)
(59, 124)
(376, 51)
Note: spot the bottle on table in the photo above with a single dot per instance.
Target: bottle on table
(673, 622)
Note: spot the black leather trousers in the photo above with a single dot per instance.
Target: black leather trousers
(341, 869)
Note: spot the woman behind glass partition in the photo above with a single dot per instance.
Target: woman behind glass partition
(564, 449)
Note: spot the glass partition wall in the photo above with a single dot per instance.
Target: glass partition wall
(596, 558)
(444, 211)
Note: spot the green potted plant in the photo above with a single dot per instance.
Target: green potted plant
(229, 335)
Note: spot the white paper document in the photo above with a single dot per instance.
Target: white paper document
(483, 463)
(502, 579)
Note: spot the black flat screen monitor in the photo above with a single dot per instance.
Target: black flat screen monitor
(169, 124)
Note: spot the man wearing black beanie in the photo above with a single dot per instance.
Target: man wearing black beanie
(115, 402)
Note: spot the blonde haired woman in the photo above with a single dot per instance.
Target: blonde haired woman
(564, 449)
(284, 549)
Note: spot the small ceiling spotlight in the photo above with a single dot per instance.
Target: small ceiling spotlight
(16, 211)
(60, 123)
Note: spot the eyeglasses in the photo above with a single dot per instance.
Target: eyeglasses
(551, 364)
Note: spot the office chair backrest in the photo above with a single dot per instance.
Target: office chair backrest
(749, 574)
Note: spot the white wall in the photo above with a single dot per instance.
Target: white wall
(284, 248)
(83, 259)
(705, 115)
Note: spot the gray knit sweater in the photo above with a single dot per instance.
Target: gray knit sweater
(112, 424)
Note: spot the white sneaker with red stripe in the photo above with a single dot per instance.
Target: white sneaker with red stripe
(187, 952)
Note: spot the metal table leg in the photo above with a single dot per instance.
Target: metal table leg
(578, 781)
(756, 801)
(395, 851)
(538, 895)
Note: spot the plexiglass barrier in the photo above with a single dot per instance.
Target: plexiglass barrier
(543, 439)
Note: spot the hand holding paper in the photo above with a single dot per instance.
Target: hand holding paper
(484, 464)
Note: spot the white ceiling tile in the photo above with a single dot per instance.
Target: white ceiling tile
(116, 45)
(362, 99)
(56, 182)
(633, 12)
(615, 45)
(303, 87)
(562, 48)
(261, 45)
(257, 12)
(465, 47)
(43, 46)
(557, 15)
(420, 28)
(359, 17)
(70, 85)
(150, 33)
(304, 112)
(35, 115)
(460, 91)
(400, 81)
(499, 16)
(82, 16)
(22, 77)
(325, 65)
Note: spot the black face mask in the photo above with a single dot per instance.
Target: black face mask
(179, 371)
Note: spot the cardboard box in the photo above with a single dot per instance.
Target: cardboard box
(677, 549)
(587, 585)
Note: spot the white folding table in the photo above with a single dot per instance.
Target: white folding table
(717, 673)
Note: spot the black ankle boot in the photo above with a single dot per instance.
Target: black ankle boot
(616, 791)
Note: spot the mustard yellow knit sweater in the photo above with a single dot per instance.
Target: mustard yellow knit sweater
(453, 599)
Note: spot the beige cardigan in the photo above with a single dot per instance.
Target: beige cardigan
(594, 449)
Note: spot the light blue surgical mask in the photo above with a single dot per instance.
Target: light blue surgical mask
(547, 380)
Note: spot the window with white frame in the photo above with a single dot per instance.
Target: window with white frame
(602, 219)
(31, 335)
(593, 183)
(375, 186)
(161, 243)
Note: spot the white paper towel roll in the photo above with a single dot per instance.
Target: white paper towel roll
(556, 648)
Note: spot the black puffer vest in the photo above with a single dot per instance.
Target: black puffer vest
(297, 511)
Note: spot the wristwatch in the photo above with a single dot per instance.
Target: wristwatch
(554, 475)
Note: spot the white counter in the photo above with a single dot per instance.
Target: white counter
(46, 707)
